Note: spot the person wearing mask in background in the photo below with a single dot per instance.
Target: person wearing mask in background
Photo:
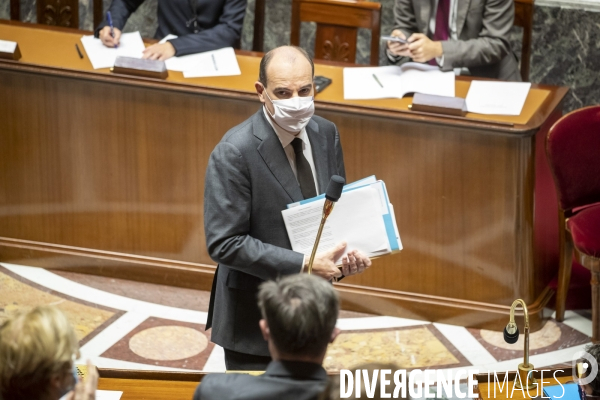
(38, 350)
(456, 35)
(299, 313)
(201, 25)
(280, 155)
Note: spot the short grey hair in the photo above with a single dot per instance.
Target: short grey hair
(301, 311)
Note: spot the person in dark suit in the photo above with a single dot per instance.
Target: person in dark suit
(280, 155)
(299, 315)
(457, 34)
(201, 25)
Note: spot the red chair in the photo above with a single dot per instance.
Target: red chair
(573, 150)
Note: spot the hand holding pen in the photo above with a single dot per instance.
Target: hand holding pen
(109, 35)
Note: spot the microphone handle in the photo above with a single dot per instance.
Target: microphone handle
(327, 207)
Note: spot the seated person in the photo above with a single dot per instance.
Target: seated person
(299, 315)
(37, 354)
(201, 25)
(333, 392)
(455, 34)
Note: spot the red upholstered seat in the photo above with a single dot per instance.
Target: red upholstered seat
(573, 150)
(585, 230)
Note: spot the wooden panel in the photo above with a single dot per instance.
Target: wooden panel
(335, 43)
(15, 10)
(352, 14)
(105, 173)
(259, 25)
(337, 26)
(63, 13)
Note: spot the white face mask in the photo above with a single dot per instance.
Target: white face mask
(292, 114)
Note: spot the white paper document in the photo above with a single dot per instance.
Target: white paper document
(130, 45)
(498, 98)
(108, 395)
(396, 81)
(7, 46)
(222, 62)
(363, 218)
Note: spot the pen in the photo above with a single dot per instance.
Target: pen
(110, 23)
(78, 51)
(375, 76)
(214, 62)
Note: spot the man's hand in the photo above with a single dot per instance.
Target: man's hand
(86, 390)
(324, 264)
(161, 51)
(355, 263)
(396, 48)
(423, 49)
(108, 40)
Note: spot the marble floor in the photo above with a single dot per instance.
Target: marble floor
(133, 325)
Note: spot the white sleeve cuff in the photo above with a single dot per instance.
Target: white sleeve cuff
(440, 60)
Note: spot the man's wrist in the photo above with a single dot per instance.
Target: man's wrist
(439, 50)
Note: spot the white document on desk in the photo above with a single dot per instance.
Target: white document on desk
(130, 45)
(355, 219)
(222, 62)
(395, 81)
(497, 98)
(108, 395)
(7, 46)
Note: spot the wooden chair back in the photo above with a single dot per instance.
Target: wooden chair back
(64, 13)
(337, 27)
(524, 19)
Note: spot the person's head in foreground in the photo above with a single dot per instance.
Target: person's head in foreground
(593, 388)
(299, 316)
(285, 87)
(37, 354)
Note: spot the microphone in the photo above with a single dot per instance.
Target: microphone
(332, 195)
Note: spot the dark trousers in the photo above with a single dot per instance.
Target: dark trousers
(235, 361)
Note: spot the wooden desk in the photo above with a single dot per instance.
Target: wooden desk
(104, 174)
(150, 385)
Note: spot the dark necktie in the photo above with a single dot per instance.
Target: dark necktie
(442, 27)
(303, 170)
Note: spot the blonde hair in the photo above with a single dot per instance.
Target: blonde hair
(34, 346)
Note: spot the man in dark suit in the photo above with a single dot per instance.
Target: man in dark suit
(201, 25)
(299, 315)
(280, 155)
(457, 34)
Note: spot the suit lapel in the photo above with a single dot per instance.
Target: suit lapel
(318, 142)
(462, 7)
(273, 155)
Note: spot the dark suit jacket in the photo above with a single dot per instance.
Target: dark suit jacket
(483, 28)
(219, 22)
(282, 380)
(248, 183)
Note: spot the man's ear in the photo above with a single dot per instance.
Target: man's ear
(264, 328)
(260, 89)
(334, 334)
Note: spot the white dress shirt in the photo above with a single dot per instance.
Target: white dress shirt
(286, 138)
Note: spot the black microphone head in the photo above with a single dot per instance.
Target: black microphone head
(334, 189)
(511, 338)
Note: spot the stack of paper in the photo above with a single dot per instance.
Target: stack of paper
(130, 45)
(222, 62)
(499, 98)
(363, 218)
(396, 81)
